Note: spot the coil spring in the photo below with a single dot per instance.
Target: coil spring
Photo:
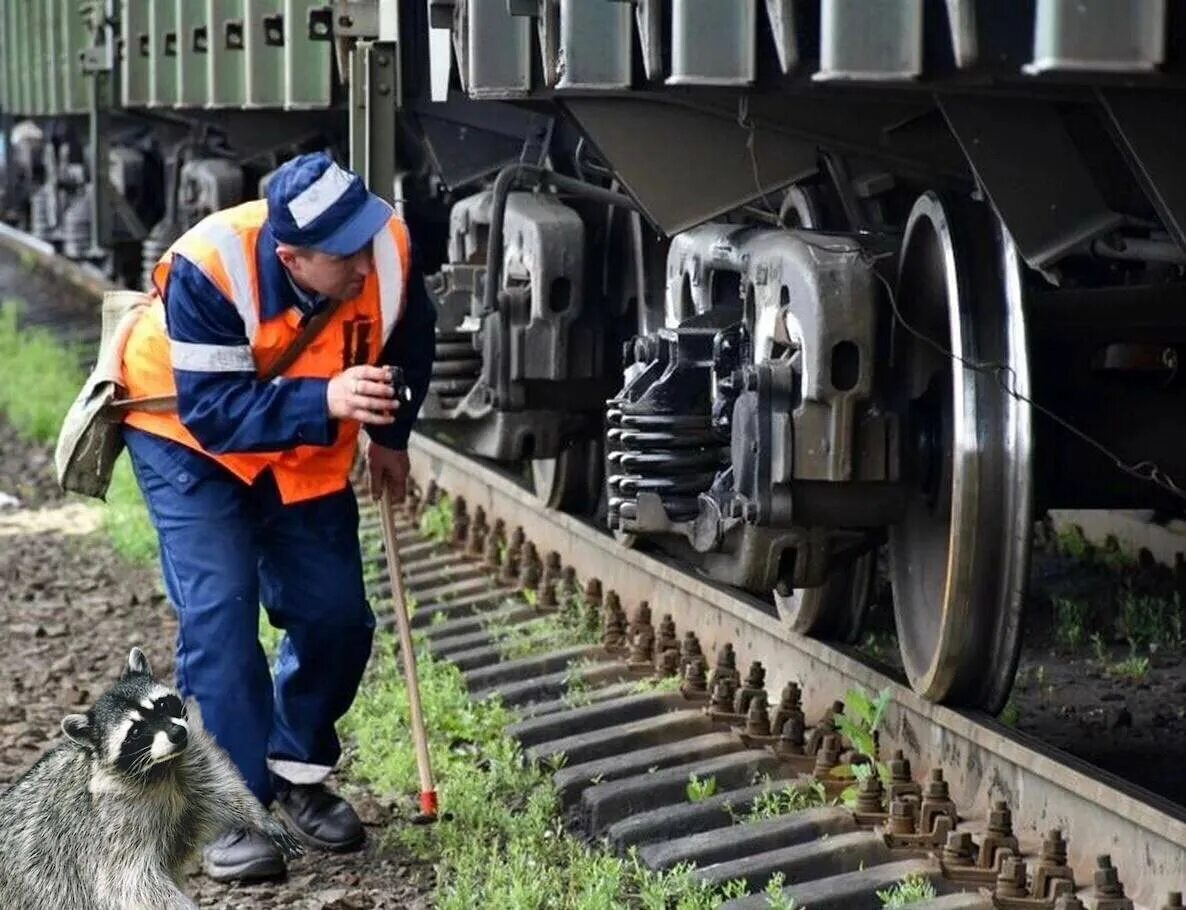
(76, 227)
(675, 456)
(39, 212)
(456, 367)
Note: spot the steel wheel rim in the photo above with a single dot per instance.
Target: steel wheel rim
(960, 556)
(834, 610)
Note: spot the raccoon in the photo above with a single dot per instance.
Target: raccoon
(108, 818)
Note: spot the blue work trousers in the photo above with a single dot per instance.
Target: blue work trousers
(225, 547)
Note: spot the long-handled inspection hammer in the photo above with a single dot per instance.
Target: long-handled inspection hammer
(428, 793)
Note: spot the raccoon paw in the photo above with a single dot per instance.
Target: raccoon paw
(283, 838)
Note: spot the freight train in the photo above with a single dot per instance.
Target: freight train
(781, 288)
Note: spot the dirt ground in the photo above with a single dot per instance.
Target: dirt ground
(1102, 674)
(70, 609)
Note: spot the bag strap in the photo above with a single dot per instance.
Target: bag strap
(156, 404)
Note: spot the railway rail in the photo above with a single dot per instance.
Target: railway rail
(629, 755)
(985, 768)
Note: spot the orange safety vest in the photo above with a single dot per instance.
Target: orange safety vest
(223, 245)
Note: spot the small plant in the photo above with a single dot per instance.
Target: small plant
(1133, 668)
(776, 898)
(1010, 714)
(1148, 622)
(1072, 543)
(699, 790)
(1071, 618)
(794, 797)
(656, 684)
(859, 724)
(913, 889)
(436, 522)
(1097, 645)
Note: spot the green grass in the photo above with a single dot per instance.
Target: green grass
(1133, 668)
(794, 797)
(39, 377)
(436, 521)
(504, 844)
(1072, 617)
(700, 789)
(1148, 622)
(913, 889)
(36, 408)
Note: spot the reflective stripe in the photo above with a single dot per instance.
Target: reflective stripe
(211, 358)
(391, 280)
(315, 199)
(234, 259)
(299, 772)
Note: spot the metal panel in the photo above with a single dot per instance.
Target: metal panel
(24, 76)
(494, 48)
(37, 62)
(1119, 36)
(1149, 128)
(162, 53)
(595, 45)
(713, 42)
(5, 54)
(52, 65)
(782, 26)
(74, 41)
(718, 158)
(137, 41)
(226, 57)
(307, 63)
(1032, 172)
(263, 35)
(193, 41)
(870, 40)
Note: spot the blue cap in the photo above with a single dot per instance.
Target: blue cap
(315, 204)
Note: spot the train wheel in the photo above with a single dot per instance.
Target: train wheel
(836, 609)
(960, 557)
(571, 482)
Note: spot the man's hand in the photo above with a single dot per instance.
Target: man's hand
(363, 393)
(390, 468)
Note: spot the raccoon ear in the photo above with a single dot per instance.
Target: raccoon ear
(137, 664)
(77, 728)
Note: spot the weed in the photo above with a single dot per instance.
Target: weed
(776, 898)
(35, 408)
(506, 845)
(1070, 621)
(436, 521)
(1072, 542)
(913, 889)
(1010, 714)
(699, 790)
(36, 411)
(794, 797)
(577, 691)
(859, 724)
(657, 684)
(1097, 645)
(1132, 668)
(879, 647)
(549, 632)
(1148, 622)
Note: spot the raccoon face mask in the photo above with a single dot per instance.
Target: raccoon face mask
(136, 728)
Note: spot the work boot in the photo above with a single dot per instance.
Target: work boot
(243, 856)
(320, 818)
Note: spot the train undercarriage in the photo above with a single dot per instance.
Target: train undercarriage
(781, 289)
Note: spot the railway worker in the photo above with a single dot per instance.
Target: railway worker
(246, 479)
